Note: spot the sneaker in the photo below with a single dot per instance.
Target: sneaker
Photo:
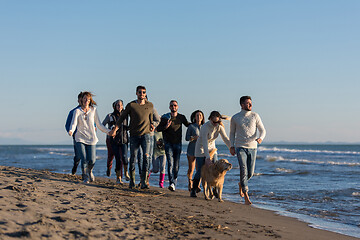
(172, 187)
(91, 175)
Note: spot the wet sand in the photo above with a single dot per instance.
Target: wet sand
(44, 205)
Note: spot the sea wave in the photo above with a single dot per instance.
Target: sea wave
(284, 170)
(224, 155)
(271, 158)
(277, 149)
(101, 148)
(60, 154)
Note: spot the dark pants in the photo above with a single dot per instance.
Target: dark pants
(200, 161)
(173, 152)
(120, 152)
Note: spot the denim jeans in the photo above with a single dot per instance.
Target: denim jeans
(159, 164)
(200, 161)
(173, 152)
(77, 155)
(140, 155)
(87, 155)
(246, 158)
(142, 142)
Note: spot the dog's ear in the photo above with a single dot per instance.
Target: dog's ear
(218, 166)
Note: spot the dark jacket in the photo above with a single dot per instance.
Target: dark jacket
(173, 134)
(121, 136)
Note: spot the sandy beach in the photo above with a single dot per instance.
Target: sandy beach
(44, 205)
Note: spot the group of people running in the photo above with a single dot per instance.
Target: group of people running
(158, 139)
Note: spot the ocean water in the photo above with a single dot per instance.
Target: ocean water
(318, 184)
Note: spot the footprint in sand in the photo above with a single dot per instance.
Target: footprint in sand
(61, 211)
(118, 230)
(59, 219)
(77, 234)
(81, 195)
(19, 234)
(20, 205)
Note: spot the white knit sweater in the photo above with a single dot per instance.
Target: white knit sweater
(206, 141)
(244, 129)
(85, 125)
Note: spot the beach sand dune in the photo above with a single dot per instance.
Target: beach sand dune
(44, 205)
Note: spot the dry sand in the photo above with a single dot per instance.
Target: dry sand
(43, 205)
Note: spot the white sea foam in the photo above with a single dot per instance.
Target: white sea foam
(271, 158)
(224, 155)
(277, 149)
(60, 153)
(284, 170)
(101, 148)
(356, 194)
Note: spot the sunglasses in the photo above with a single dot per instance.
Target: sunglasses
(141, 92)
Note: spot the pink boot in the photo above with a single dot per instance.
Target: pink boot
(161, 180)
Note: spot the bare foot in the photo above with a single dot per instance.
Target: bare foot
(190, 185)
(241, 191)
(247, 200)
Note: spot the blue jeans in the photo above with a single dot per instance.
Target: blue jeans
(159, 164)
(87, 156)
(200, 161)
(76, 156)
(140, 155)
(246, 158)
(142, 142)
(173, 152)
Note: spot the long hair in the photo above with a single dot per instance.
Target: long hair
(89, 94)
(214, 114)
(192, 117)
(116, 102)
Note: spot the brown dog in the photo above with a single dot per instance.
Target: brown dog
(213, 177)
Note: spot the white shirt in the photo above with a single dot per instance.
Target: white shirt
(243, 129)
(85, 124)
(206, 141)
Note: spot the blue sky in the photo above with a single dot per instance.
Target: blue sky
(299, 60)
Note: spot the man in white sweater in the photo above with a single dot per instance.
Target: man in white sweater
(246, 132)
